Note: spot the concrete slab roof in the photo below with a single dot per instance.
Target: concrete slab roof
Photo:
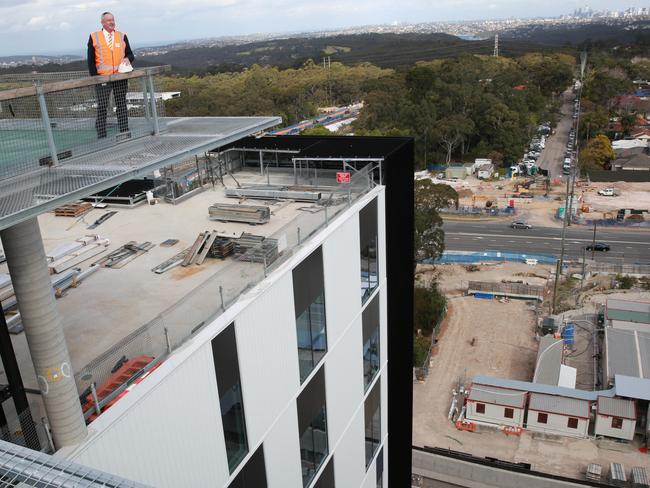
(561, 405)
(616, 407)
(129, 306)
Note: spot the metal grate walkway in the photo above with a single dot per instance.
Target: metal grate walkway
(22, 467)
(29, 194)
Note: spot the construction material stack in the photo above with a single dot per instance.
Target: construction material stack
(250, 214)
(256, 249)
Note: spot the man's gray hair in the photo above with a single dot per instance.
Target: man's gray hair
(105, 13)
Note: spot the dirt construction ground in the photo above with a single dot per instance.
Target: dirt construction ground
(504, 346)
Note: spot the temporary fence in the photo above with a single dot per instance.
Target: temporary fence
(449, 257)
(522, 290)
(467, 210)
(173, 327)
(619, 268)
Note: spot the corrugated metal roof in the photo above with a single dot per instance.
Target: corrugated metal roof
(497, 396)
(622, 355)
(628, 310)
(540, 388)
(549, 360)
(644, 353)
(617, 407)
(631, 387)
(558, 404)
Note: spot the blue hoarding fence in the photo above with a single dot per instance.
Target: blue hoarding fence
(499, 256)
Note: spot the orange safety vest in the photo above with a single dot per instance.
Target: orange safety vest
(108, 60)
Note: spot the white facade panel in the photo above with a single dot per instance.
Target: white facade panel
(344, 380)
(604, 427)
(494, 414)
(282, 451)
(370, 480)
(342, 270)
(268, 356)
(556, 424)
(163, 431)
(350, 454)
(381, 233)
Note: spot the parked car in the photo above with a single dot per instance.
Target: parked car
(607, 192)
(520, 225)
(599, 246)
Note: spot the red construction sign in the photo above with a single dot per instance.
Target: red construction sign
(343, 177)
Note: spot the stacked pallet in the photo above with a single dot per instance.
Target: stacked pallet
(256, 249)
(250, 214)
(73, 209)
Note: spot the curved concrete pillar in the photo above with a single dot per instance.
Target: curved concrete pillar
(43, 325)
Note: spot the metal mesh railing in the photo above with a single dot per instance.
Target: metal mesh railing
(173, 327)
(47, 123)
(25, 430)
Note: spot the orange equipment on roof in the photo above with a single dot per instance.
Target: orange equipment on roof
(117, 379)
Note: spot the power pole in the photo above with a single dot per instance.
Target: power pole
(496, 45)
(560, 262)
(583, 64)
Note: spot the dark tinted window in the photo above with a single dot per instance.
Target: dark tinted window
(380, 468)
(480, 408)
(326, 478)
(542, 418)
(372, 411)
(253, 474)
(312, 426)
(368, 248)
(226, 366)
(508, 413)
(572, 423)
(370, 319)
(309, 303)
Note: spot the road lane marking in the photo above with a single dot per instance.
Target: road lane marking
(469, 234)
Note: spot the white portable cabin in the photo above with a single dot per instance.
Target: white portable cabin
(496, 406)
(560, 415)
(615, 417)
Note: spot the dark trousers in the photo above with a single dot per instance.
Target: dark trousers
(103, 91)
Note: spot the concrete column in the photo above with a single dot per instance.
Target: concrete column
(43, 325)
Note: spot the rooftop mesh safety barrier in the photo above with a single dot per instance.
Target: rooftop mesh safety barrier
(62, 140)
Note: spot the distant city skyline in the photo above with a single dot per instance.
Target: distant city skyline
(62, 26)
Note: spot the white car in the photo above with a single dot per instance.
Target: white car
(606, 192)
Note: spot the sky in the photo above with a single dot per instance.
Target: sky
(63, 26)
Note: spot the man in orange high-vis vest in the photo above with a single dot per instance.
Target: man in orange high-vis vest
(107, 50)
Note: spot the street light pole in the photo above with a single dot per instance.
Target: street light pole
(593, 243)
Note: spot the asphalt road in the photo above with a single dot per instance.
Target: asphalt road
(552, 155)
(630, 246)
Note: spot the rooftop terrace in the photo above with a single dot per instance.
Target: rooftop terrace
(133, 311)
